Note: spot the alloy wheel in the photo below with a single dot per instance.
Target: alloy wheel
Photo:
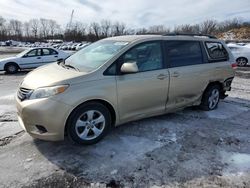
(213, 98)
(90, 125)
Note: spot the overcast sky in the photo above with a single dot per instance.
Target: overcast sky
(135, 13)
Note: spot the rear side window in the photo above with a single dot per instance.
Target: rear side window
(46, 52)
(183, 53)
(53, 52)
(216, 51)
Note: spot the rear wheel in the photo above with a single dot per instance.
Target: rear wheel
(89, 123)
(241, 61)
(11, 68)
(210, 98)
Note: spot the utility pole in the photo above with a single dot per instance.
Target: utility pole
(71, 20)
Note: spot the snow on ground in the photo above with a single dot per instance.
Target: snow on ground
(226, 110)
(189, 148)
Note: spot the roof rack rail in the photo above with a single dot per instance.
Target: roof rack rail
(193, 35)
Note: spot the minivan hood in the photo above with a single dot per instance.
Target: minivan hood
(49, 75)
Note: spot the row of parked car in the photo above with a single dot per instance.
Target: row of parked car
(241, 52)
(73, 46)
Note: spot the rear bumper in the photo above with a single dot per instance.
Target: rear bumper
(1, 67)
(227, 84)
(226, 87)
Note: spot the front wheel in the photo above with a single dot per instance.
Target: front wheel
(11, 68)
(210, 98)
(89, 123)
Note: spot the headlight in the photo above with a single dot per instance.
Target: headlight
(47, 91)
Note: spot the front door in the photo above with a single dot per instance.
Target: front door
(143, 93)
(32, 59)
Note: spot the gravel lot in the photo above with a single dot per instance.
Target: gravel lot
(190, 148)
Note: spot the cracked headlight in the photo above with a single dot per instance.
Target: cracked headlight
(46, 92)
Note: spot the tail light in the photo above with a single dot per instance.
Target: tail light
(234, 65)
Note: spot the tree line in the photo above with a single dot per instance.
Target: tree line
(44, 29)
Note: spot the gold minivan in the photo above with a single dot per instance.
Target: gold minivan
(122, 79)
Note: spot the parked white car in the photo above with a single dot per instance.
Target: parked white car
(241, 54)
(31, 58)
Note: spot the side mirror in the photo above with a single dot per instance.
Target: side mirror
(129, 67)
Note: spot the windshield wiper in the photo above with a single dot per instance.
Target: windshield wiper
(67, 66)
(70, 66)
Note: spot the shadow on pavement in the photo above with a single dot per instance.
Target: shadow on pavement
(177, 147)
(20, 73)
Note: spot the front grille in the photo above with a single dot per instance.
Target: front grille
(23, 93)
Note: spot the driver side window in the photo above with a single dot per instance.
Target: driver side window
(148, 56)
(32, 53)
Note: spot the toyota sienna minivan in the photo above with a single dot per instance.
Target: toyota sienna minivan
(122, 79)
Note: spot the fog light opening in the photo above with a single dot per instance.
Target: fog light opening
(41, 129)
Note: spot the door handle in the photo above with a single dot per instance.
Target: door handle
(56, 56)
(175, 74)
(161, 76)
(38, 57)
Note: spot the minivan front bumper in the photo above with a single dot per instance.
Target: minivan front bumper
(43, 118)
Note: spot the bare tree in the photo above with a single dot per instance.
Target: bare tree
(2, 22)
(106, 27)
(187, 28)
(44, 24)
(16, 28)
(229, 24)
(208, 27)
(26, 28)
(118, 29)
(34, 25)
(141, 31)
(158, 29)
(3, 28)
(53, 26)
(96, 29)
(76, 32)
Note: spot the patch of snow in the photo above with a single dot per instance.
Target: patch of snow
(113, 172)
(9, 129)
(226, 111)
(238, 163)
(7, 99)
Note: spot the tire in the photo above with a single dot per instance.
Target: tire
(210, 98)
(242, 61)
(11, 68)
(82, 125)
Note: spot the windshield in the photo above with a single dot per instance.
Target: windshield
(95, 55)
(22, 53)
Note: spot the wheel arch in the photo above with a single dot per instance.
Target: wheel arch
(11, 62)
(212, 83)
(242, 57)
(101, 101)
